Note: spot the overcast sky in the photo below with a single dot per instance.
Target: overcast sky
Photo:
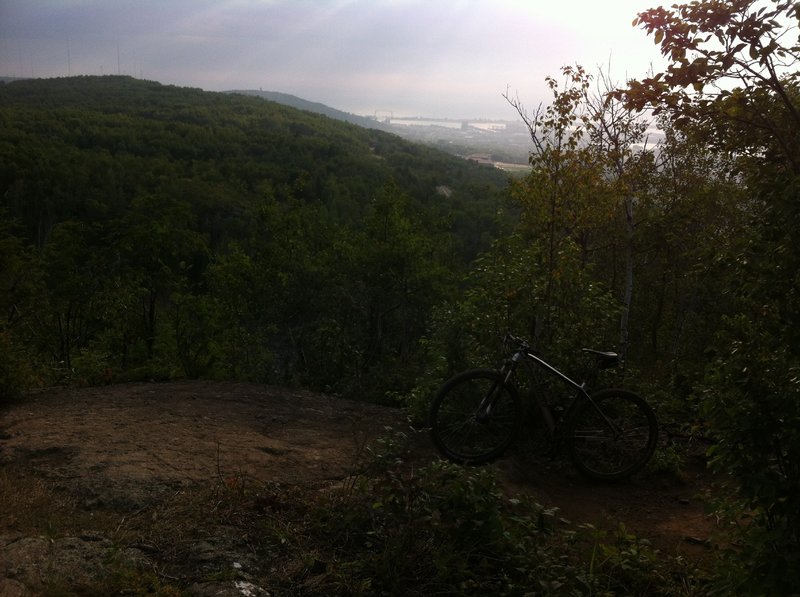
(437, 58)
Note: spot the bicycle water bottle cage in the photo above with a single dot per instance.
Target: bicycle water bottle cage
(605, 360)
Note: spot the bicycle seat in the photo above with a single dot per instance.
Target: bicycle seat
(605, 360)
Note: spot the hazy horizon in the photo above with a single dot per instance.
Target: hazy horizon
(449, 59)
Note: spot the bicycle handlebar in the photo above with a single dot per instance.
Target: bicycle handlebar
(515, 342)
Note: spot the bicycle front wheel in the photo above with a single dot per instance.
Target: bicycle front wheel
(613, 436)
(475, 417)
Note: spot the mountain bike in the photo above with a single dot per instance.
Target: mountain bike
(608, 435)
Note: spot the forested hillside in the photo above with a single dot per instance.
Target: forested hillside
(156, 232)
(315, 107)
(153, 231)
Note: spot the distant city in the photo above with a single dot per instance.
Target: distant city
(502, 143)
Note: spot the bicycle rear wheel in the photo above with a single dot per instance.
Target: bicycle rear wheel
(615, 444)
(475, 417)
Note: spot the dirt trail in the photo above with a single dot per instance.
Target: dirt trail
(122, 446)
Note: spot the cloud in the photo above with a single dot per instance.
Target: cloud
(448, 56)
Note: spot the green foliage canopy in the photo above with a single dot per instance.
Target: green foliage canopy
(177, 231)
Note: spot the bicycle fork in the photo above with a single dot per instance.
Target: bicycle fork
(489, 401)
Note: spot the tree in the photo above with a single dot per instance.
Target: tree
(587, 176)
(615, 131)
(734, 84)
(563, 195)
(159, 246)
(732, 75)
(72, 276)
(692, 211)
(20, 290)
(397, 265)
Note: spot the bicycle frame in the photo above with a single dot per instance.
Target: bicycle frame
(581, 389)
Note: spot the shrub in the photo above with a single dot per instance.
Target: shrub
(753, 407)
(446, 529)
(443, 529)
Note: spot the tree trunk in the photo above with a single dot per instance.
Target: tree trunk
(627, 297)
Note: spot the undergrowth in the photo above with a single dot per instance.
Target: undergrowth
(448, 530)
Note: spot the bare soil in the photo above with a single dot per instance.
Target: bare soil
(115, 452)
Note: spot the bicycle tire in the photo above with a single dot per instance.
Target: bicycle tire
(463, 436)
(600, 453)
